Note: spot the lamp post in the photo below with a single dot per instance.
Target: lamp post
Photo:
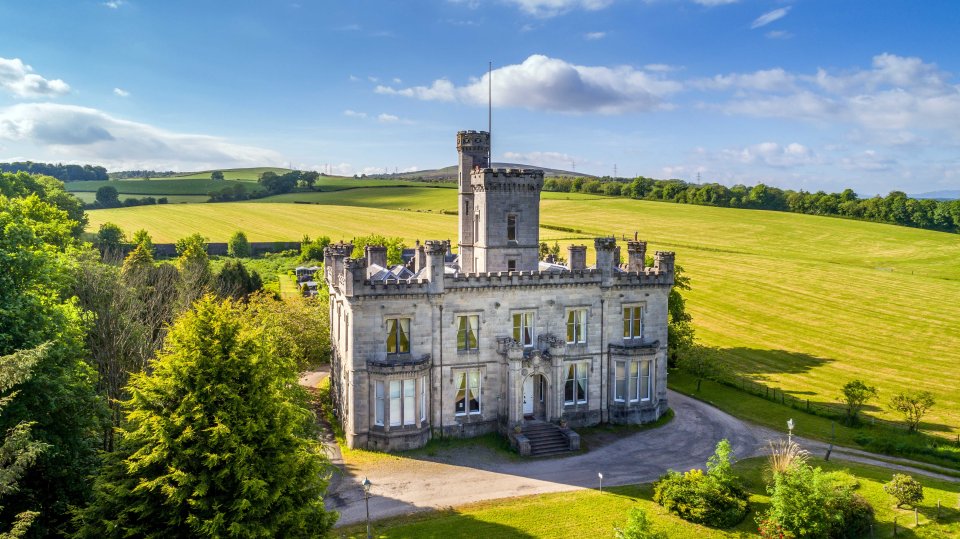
(600, 475)
(790, 430)
(366, 498)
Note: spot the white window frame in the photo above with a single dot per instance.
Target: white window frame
(472, 326)
(465, 383)
(409, 402)
(423, 398)
(620, 377)
(633, 322)
(576, 326)
(400, 322)
(580, 381)
(647, 384)
(526, 321)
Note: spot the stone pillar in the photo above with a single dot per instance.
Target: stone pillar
(663, 263)
(636, 256)
(354, 272)
(576, 257)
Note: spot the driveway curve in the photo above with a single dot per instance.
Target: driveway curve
(404, 485)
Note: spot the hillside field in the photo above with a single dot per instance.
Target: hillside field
(800, 302)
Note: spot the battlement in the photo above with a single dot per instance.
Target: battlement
(509, 172)
(473, 139)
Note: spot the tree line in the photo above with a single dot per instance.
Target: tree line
(144, 398)
(896, 208)
(64, 173)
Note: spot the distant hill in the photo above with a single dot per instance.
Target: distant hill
(948, 194)
(450, 173)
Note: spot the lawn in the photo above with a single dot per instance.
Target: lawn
(798, 302)
(589, 513)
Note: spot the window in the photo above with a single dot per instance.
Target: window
(523, 328)
(620, 387)
(576, 326)
(395, 403)
(632, 322)
(633, 381)
(468, 392)
(511, 228)
(346, 333)
(378, 419)
(575, 387)
(511, 265)
(423, 398)
(398, 335)
(468, 330)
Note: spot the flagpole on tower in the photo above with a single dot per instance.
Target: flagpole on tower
(490, 113)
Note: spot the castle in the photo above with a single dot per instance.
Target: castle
(495, 339)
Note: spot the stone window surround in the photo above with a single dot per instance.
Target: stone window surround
(643, 312)
(566, 317)
(456, 328)
(384, 326)
(454, 378)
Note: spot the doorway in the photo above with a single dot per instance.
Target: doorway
(534, 397)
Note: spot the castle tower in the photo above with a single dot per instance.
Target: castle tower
(507, 219)
(474, 149)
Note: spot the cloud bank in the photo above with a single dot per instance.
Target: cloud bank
(19, 79)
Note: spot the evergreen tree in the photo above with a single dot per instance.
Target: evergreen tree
(238, 246)
(218, 440)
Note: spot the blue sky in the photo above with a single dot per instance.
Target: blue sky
(799, 94)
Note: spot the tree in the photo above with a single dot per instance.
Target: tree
(37, 260)
(905, 489)
(194, 266)
(854, 396)
(142, 237)
(110, 238)
(313, 250)
(217, 440)
(108, 196)
(679, 323)
(234, 281)
(394, 247)
(216, 175)
(18, 451)
(238, 246)
(702, 362)
(307, 179)
(639, 526)
(912, 405)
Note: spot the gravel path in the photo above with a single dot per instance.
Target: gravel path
(459, 476)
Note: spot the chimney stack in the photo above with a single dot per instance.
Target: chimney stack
(577, 257)
(636, 256)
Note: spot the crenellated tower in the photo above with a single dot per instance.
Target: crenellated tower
(474, 149)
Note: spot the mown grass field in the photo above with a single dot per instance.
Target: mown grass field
(162, 186)
(589, 513)
(799, 302)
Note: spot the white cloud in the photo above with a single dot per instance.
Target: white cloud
(772, 154)
(397, 80)
(20, 80)
(593, 36)
(387, 118)
(354, 114)
(114, 4)
(81, 134)
(552, 8)
(778, 34)
(542, 159)
(768, 80)
(354, 78)
(769, 17)
(121, 92)
(545, 83)
(868, 160)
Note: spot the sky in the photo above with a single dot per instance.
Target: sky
(800, 94)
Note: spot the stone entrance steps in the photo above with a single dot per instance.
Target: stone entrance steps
(545, 439)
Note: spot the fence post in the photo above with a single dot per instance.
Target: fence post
(938, 509)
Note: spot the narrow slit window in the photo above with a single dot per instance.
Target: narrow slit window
(511, 228)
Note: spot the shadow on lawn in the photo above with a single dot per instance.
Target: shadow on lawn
(442, 524)
(756, 362)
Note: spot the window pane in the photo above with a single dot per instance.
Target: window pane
(516, 327)
(633, 381)
(621, 384)
(392, 336)
(568, 392)
(404, 345)
(474, 332)
(626, 323)
(409, 394)
(395, 402)
(637, 321)
(423, 398)
(474, 392)
(582, 382)
(379, 404)
(461, 393)
(571, 327)
(462, 334)
(645, 381)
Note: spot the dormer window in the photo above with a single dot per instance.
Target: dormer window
(511, 228)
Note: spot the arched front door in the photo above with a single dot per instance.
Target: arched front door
(534, 397)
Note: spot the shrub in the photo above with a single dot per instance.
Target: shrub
(715, 498)
(857, 517)
(238, 246)
(808, 502)
(638, 526)
(905, 489)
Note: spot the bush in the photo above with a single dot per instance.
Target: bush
(808, 502)
(857, 517)
(905, 489)
(638, 526)
(715, 498)
(238, 246)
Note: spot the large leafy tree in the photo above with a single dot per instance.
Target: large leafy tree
(217, 441)
(37, 260)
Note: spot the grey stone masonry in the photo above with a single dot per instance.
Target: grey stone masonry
(469, 347)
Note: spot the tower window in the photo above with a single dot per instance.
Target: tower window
(511, 228)
(511, 265)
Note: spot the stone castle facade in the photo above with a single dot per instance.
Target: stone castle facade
(494, 338)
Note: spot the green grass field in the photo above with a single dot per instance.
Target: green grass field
(164, 186)
(799, 302)
(589, 513)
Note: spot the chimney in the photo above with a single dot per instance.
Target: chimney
(376, 254)
(435, 251)
(333, 257)
(419, 258)
(576, 257)
(636, 256)
(663, 263)
(606, 251)
(354, 272)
